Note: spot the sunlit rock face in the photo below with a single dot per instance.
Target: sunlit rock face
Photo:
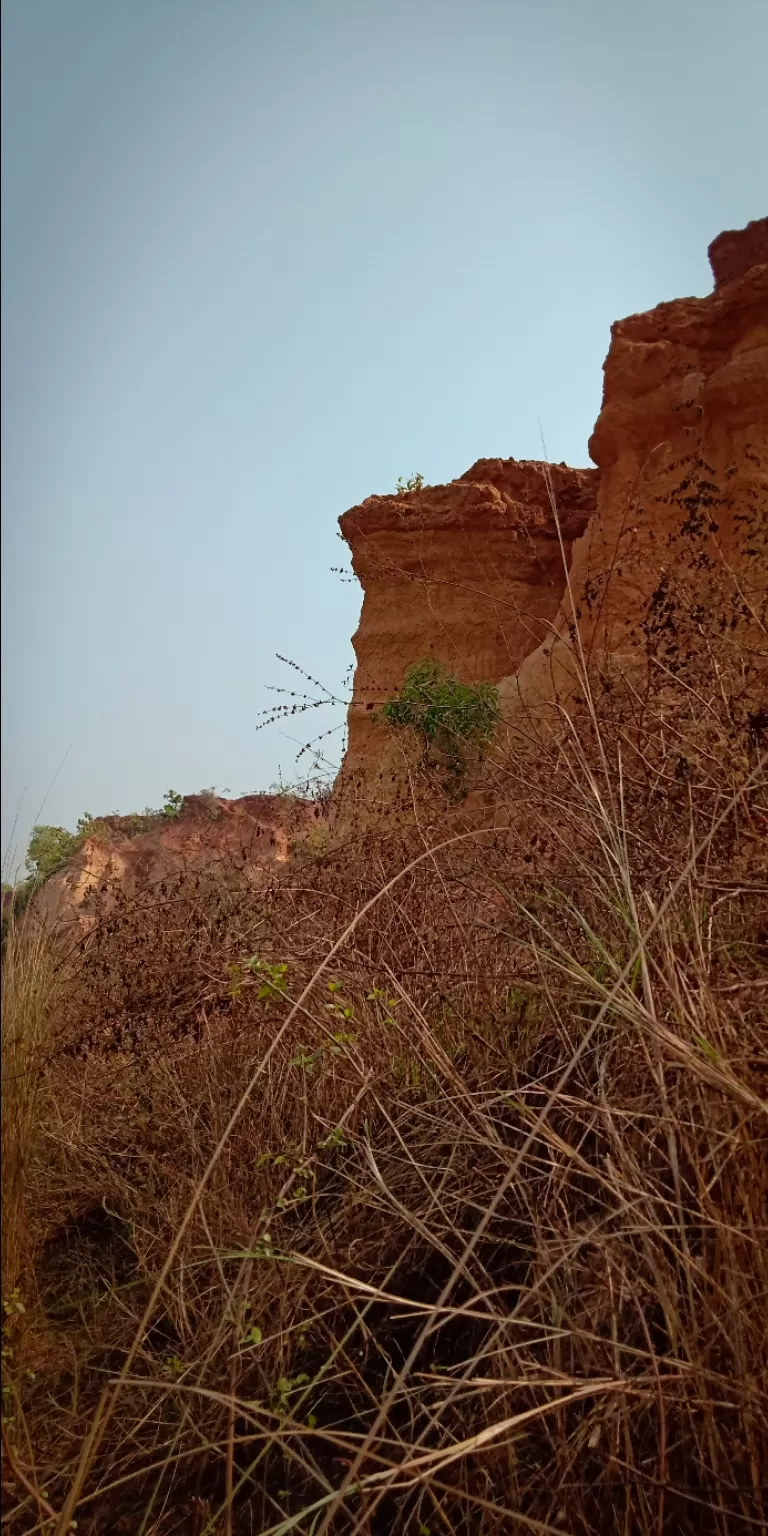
(675, 552)
(472, 573)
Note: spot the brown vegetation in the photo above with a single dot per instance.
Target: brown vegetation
(421, 1187)
(457, 1223)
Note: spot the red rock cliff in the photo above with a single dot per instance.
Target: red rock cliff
(676, 550)
(246, 835)
(471, 573)
(666, 536)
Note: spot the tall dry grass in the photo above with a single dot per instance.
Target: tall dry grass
(459, 1222)
(29, 999)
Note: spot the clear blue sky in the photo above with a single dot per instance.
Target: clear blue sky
(259, 259)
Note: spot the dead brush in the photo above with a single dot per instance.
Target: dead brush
(427, 1285)
(31, 980)
(431, 1174)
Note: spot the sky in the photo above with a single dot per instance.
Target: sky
(260, 260)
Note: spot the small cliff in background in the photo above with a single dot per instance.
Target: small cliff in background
(246, 836)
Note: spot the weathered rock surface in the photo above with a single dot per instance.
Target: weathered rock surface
(471, 573)
(245, 835)
(675, 554)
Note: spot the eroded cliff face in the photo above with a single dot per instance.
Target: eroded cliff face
(472, 574)
(664, 542)
(675, 555)
(245, 836)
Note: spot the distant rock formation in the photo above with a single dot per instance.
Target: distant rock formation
(245, 835)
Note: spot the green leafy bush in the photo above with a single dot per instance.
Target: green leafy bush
(450, 715)
(90, 826)
(49, 850)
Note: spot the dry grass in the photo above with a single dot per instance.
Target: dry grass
(30, 986)
(459, 1223)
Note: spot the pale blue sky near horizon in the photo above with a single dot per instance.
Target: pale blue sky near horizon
(260, 260)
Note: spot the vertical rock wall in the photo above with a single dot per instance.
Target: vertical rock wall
(675, 555)
(471, 573)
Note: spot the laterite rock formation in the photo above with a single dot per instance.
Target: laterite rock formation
(664, 542)
(675, 552)
(511, 572)
(471, 573)
(247, 835)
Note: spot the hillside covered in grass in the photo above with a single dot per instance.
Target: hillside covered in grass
(419, 1185)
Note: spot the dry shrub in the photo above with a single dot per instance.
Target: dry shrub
(458, 1222)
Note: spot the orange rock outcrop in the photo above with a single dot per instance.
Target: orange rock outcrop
(245, 835)
(511, 572)
(664, 543)
(471, 573)
(676, 551)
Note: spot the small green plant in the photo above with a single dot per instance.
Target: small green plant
(334, 1140)
(284, 1387)
(338, 1006)
(263, 1249)
(451, 716)
(413, 483)
(307, 1060)
(173, 804)
(252, 1338)
(12, 1303)
(274, 976)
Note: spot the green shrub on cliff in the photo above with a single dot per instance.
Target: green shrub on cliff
(451, 716)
